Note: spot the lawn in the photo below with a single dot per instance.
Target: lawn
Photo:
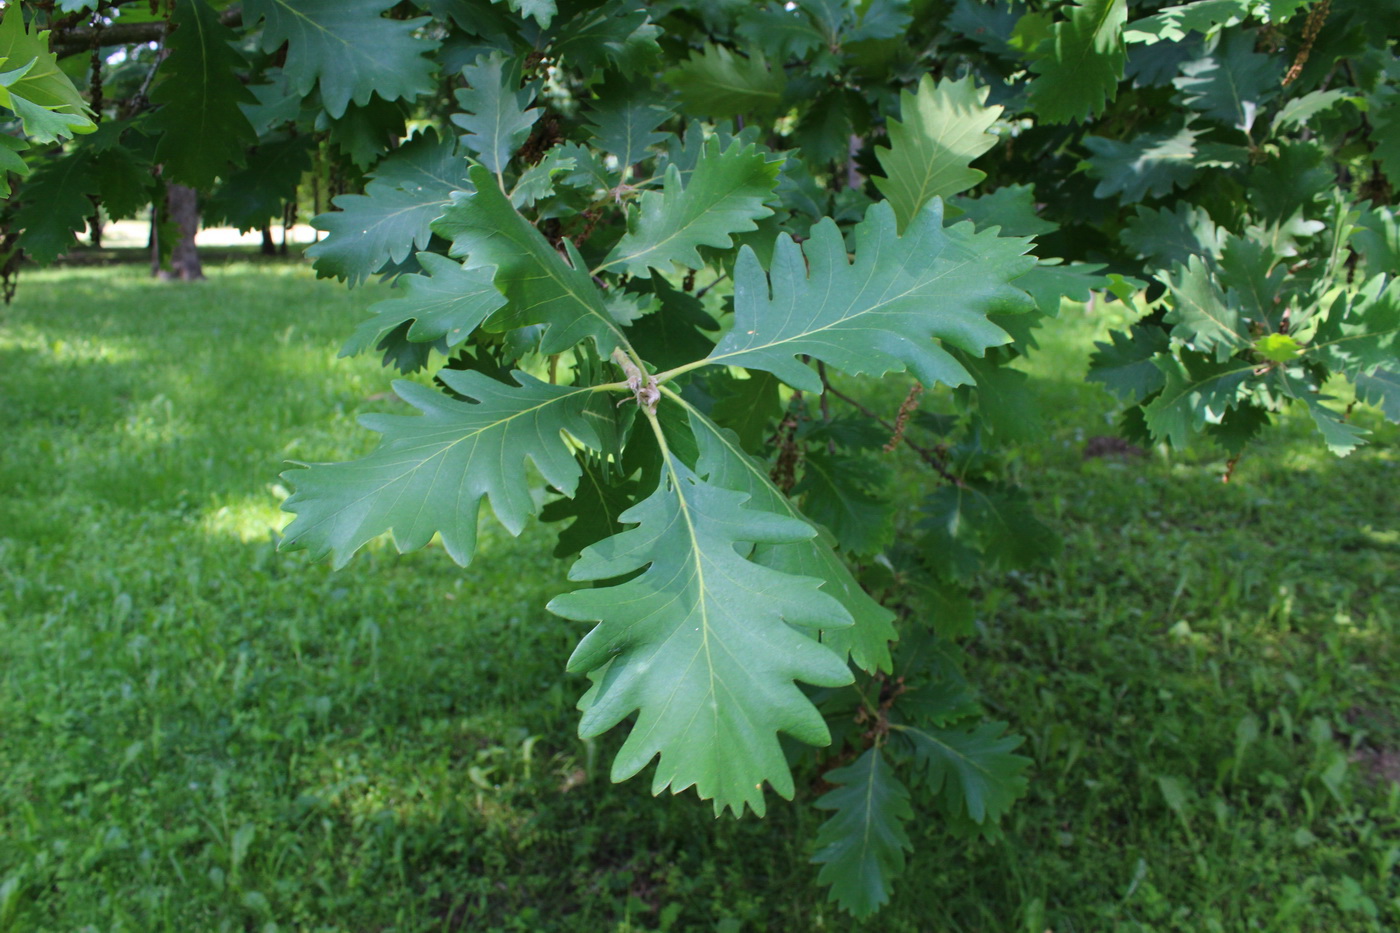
(199, 733)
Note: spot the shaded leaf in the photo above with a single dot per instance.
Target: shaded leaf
(1125, 366)
(715, 82)
(1232, 83)
(861, 846)
(1152, 164)
(836, 492)
(1197, 389)
(202, 128)
(1199, 313)
(407, 191)
(1077, 69)
(975, 771)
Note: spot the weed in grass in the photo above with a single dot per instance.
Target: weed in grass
(200, 733)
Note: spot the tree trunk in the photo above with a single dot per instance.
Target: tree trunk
(269, 245)
(183, 203)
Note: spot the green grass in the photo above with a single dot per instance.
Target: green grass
(199, 733)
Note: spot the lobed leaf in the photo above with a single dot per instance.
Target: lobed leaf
(704, 645)
(1196, 389)
(723, 461)
(882, 313)
(407, 191)
(715, 82)
(861, 846)
(447, 302)
(724, 195)
(1078, 67)
(430, 473)
(945, 127)
(498, 115)
(976, 771)
(539, 285)
(347, 47)
(33, 85)
(200, 121)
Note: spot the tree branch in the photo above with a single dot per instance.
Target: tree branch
(78, 39)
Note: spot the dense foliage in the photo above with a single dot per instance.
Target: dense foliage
(656, 294)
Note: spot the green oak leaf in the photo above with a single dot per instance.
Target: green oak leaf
(498, 115)
(1078, 67)
(723, 461)
(1151, 164)
(945, 126)
(361, 132)
(724, 195)
(1169, 236)
(256, 194)
(200, 121)
(595, 508)
(33, 85)
(1010, 208)
(542, 10)
(1297, 112)
(748, 407)
(715, 82)
(1362, 332)
(1175, 22)
(836, 492)
(1340, 436)
(55, 204)
(861, 847)
(983, 526)
(348, 47)
(1201, 316)
(1382, 389)
(407, 191)
(976, 771)
(704, 645)
(538, 180)
(1125, 366)
(1006, 403)
(1197, 389)
(1253, 279)
(782, 33)
(430, 473)
(1384, 107)
(881, 313)
(618, 33)
(989, 25)
(1051, 280)
(447, 303)
(625, 125)
(1377, 238)
(1232, 83)
(540, 286)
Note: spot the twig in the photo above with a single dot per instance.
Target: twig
(938, 464)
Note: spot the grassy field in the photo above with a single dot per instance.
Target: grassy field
(198, 733)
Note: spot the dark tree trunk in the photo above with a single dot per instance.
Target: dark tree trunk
(153, 241)
(95, 226)
(183, 203)
(269, 245)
